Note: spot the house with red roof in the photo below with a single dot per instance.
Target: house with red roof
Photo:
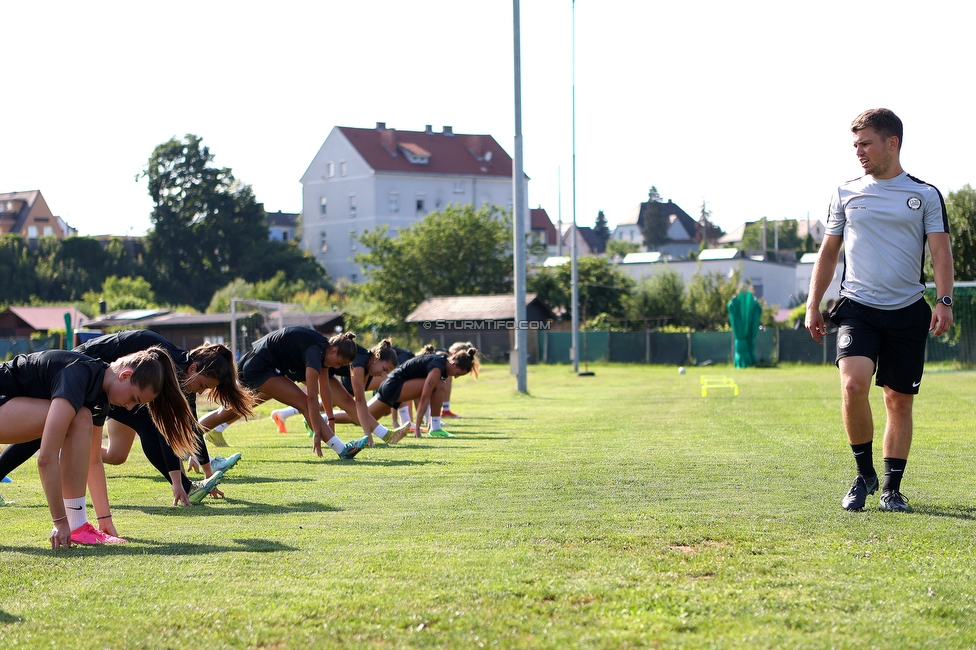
(364, 178)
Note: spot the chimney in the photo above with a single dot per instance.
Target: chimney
(429, 129)
(103, 307)
(449, 131)
(381, 126)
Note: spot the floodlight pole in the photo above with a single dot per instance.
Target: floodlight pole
(518, 219)
(572, 244)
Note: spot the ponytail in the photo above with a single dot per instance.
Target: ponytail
(345, 346)
(153, 369)
(384, 352)
(216, 361)
(428, 349)
(467, 360)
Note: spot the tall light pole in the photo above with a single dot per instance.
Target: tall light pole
(518, 219)
(572, 244)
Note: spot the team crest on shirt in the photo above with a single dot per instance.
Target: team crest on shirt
(845, 341)
(914, 203)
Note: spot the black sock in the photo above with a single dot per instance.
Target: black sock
(894, 468)
(864, 459)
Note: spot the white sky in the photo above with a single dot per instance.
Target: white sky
(744, 105)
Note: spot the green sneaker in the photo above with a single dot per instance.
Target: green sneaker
(394, 436)
(202, 488)
(221, 464)
(353, 448)
(441, 433)
(308, 429)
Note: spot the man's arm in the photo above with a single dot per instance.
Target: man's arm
(941, 251)
(823, 273)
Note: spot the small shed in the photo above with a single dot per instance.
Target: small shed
(22, 322)
(488, 322)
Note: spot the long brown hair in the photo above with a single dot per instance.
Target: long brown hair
(467, 360)
(153, 369)
(427, 349)
(345, 345)
(216, 361)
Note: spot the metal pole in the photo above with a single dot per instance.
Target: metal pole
(575, 271)
(233, 327)
(518, 181)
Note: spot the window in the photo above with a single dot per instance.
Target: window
(31, 232)
(323, 246)
(394, 202)
(420, 203)
(459, 187)
(342, 168)
(284, 235)
(352, 240)
(330, 170)
(324, 202)
(48, 231)
(352, 205)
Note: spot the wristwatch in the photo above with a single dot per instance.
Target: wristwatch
(946, 300)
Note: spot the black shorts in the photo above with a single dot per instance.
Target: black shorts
(893, 339)
(254, 371)
(389, 393)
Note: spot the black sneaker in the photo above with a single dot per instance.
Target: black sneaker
(894, 501)
(858, 494)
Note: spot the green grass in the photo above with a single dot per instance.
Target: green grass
(615, 511)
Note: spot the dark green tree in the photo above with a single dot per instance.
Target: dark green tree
(707, 297)
(17, 269)
(655, 222)
(658, 299)
(961, 206)
(457, 251)
(208, 229)
(602, 288)
(601, 230)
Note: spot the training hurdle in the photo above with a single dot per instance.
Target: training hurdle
(717, 381)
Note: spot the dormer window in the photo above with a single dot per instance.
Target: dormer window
(415, 154)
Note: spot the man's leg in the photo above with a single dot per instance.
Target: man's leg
(897, 443)
(855, 378)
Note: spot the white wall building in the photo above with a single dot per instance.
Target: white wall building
(362, 179)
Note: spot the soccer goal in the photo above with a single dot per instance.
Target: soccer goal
(253, 319)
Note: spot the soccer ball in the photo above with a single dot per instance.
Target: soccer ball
(681, 370)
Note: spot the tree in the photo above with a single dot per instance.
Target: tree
(655, 221)
(601, 230)
(707, 297)
(120, 293)
(602, 288)
(207, 227)
(707, 233)
(457, 251)
(658, 298)
(961, 206)
(277, 288)
(621, 248)
(788, 237)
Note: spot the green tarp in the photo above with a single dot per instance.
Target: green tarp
(744, 314)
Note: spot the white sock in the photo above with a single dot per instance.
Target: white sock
(286, 413)
(77, 514)
(428, 414)
(220, 428)
(446, 406)
(404, 412)
(337, 445)
(380, 430)
(435, 423)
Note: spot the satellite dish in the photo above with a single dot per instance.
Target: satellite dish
(487, 156)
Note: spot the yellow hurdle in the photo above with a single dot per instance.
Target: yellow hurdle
(718, 381)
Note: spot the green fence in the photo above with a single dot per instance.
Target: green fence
(9, 348)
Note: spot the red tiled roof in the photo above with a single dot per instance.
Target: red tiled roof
(446, 308)
(49, 318)
(450, 153)
(541, 221)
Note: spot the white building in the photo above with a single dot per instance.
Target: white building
(362, 179)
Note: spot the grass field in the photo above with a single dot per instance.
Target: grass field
(614, 511)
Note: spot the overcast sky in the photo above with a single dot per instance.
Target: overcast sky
(745, 106)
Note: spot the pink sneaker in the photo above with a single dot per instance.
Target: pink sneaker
(91, 536)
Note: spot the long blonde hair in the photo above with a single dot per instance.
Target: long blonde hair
(153, 369)
(216, 361)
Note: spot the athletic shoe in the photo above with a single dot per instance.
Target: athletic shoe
(894, 501)
(309, 430)
(353, 448)
(858, 494)
(202, 488)
(90, 536)
(394, 436)
(441, 433)
(279, 422)
(6, 479)
(216, 438)
(448, 414)
(4, 502)
(221, 464)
